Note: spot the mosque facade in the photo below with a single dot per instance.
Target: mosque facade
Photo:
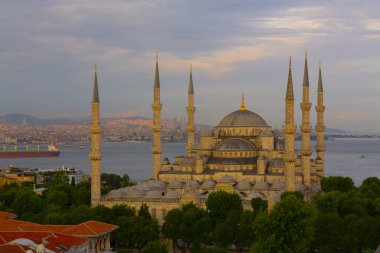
(242, 154)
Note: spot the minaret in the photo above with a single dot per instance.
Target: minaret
(306, 127)
(320, 128)
(190, 115)
(156, 127)
(289, 131)
(95, 154)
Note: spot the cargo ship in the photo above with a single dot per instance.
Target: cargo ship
(27, 151)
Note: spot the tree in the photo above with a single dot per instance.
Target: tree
(155, 247)
(337, 183)
(56, 197)
(371, 187)
(288, 228)
(190, 224)
(258, 204)
(220, 203)
(26, 201)
(72, 183)
(59, 177)
(144, 212)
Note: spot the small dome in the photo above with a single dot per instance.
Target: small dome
(172, 194)
(226, 180)
(191, 185)
(242, 118)
(235, 144)
(299, 187)
(261, 185)
(135, 193)
(208, 185)
(159, 184)
(153, 194)
(243, 186)
(278, 185)
(175, 184)
(166, 159)
(255, 195)
(277, 163)
(267, 133)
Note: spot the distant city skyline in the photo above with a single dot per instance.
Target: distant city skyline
(48, 50)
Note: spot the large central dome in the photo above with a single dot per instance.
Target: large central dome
(242, 118)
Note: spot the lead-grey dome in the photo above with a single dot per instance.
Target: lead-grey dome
(235, 144)
(242, 118)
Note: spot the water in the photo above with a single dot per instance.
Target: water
(343, 158)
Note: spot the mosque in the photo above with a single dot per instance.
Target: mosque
(242, 154)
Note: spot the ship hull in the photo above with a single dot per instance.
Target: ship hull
(22, 154)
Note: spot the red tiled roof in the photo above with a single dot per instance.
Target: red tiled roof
(85, 229)
(13, 248)
(6, 215)
(53, 241)
(90, 228)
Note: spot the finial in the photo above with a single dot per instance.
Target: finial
(156, 56)
(290, 61)
(319, 64)
(191, 67)
(305, 53)
(242, 107)
(95, 68)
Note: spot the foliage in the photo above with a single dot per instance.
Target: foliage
(288, 228)
(190, 224)
(258, 204)
(155, 247)
(337, 183)
(220, 203)
(113, 181)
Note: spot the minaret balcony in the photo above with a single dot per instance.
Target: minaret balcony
(289, 128)
(156, 107)
(320, 148)
(306, 128)
(156, 150)
(320, 108)
(95, 156)
(319, 128)
(306, 152)
(305, 106)
(95, 129)
(156, 129)
(190, 109)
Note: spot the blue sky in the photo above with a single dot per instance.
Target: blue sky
(48, 48)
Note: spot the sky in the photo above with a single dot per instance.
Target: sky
(48, 49)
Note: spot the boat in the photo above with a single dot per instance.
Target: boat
(27, 151)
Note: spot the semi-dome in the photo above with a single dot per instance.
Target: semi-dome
(116, 193)
(242, 118)
(208, 185)
(191, 185)
(234, 144)
(261, 185)
(243, 186)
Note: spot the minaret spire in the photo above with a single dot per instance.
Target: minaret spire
(289, 130)
(190, 115)
(306, 127)
(320, 129)
(242, 107)
(156, 127)
(95, 153)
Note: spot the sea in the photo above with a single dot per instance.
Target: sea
(356, 158)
